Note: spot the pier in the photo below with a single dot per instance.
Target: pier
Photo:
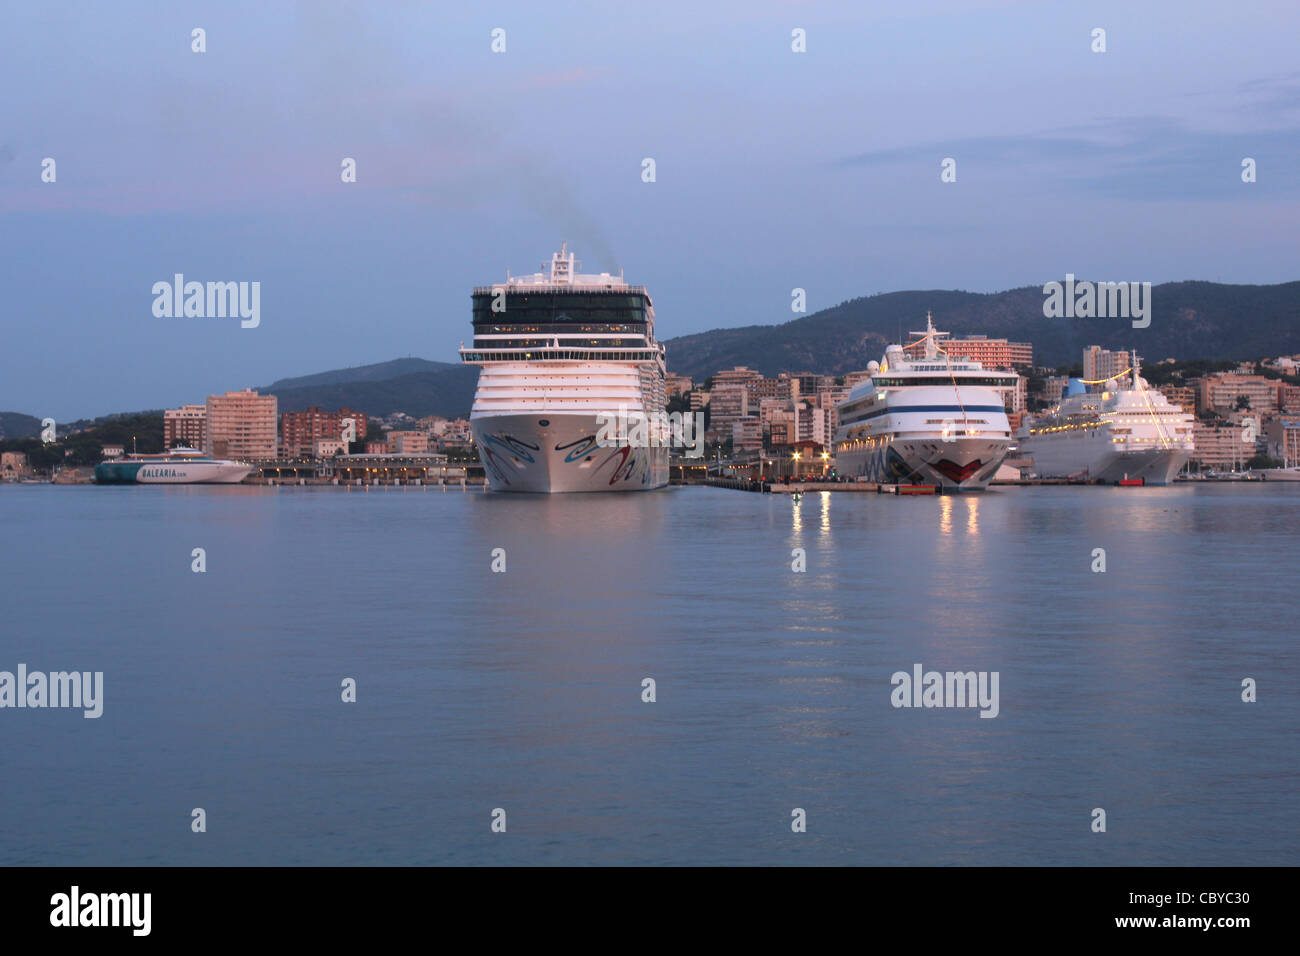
(800, 487)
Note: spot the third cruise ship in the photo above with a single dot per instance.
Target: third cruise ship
(559, 349)
(1125, 431)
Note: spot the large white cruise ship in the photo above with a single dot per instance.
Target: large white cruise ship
(558, 349)
(1125, 432)
(927, 420)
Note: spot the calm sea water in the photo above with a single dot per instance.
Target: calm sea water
(522, 690)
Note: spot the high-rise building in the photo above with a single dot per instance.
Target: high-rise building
(241, 425)
(728, 404)
(187, 425)
(783, 387)
(740, 375)
(299, 431)
(1100, 364)
(1283, 438)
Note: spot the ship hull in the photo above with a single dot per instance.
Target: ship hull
(171, 473)
(521, 454)
(1095, 458)
(958, 464)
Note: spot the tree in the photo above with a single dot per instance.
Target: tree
(1243, 403)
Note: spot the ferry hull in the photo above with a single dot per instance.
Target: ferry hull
(962, 464)
(171, 473)
(521, 454)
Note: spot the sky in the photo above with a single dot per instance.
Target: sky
(774, 169)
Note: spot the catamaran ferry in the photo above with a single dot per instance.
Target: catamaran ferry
(929, 420)
(180, 466)
(560, 349)
(1126, 431)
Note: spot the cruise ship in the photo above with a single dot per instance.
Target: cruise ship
(559, 350)
(1125, 432)
(932, 419)
(180, 466)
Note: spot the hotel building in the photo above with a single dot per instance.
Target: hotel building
(991, 353)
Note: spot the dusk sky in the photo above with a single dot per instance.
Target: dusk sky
(775, 169)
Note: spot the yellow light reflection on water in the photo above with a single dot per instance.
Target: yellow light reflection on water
(972, 515)
(945, 514)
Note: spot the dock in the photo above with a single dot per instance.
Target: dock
(800, 487)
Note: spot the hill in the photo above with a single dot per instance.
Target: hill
(1188, 320)
(379, 372)
(18, 425)
(446, 390)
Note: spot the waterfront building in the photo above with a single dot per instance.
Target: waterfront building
(299, 431)
(13, 465)
(1282, 438)
(328, 447)
(1222, 391)
(242, 426)
(187, 425)
(407, 442)
(728, 405)
(1220, 446)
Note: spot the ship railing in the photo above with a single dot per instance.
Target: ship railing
(545, 286)
(550, 353)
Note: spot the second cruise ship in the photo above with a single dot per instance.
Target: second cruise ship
(559, 349)
(928, 420)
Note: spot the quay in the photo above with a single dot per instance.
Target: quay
(799, 487)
